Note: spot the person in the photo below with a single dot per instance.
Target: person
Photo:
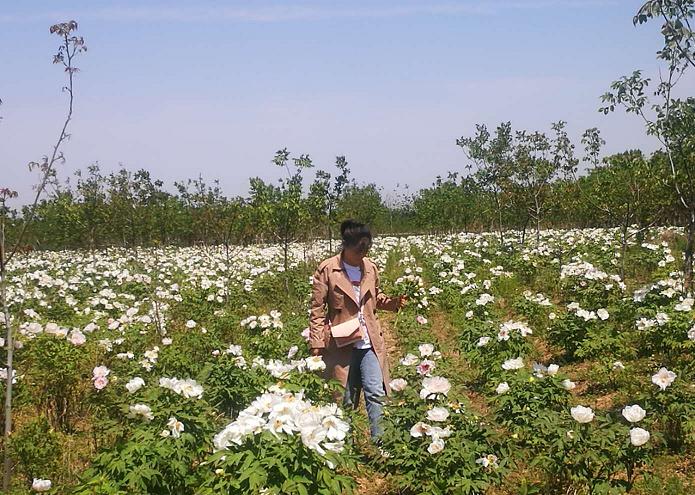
(346, 286)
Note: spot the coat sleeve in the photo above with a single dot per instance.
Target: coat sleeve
(383, 301)
(317, 315)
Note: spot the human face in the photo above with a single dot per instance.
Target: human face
(353, 255)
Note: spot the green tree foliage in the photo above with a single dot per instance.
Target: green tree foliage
(492, 157)
(288, 210)
(363, 203)
(323, 199)
(671, 119)
(449, 205)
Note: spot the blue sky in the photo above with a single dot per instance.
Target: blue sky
(215, 88)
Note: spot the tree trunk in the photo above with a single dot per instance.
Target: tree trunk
(537, 215)
(9, 343)
(523, 232)
(623, 247)
(330, 237)
(499, 222)
(286, 249)
(688, 262)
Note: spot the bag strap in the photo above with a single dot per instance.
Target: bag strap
(360, 307)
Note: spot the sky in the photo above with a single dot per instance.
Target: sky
(215, 88)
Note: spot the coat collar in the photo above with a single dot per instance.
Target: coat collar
(342, 280)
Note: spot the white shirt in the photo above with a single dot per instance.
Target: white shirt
(354, 273)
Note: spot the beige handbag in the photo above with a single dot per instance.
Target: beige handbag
(347, 333)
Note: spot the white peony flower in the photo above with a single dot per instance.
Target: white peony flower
(634, 413)
(645, 323)
(513, 364)
(315, 363)
(190, 389)
(191, 324)
(488, 461)
(502, 388)
(433, 386)
(639, 436)
(135, 384)
(141, 411)
(90, 327)
(51, 328)
(336, 428)
(100, 371)
(662, 319)
(663, 378)
(582, 414)
(41, 485)
(685, 305)
(483, 341)
(175, 427)
(77, 338)
(419, 429)
(234, 350)
(437, 432)
(398, 385)
(426, 349)
(586, 315)
(602, 313)
(508, 326)
(281, 413)
(436, 446)
(410, 359)
(553, 369)
(437, 414)
(568, 384)
(484, 299)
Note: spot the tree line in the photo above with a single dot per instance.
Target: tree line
(514, 181)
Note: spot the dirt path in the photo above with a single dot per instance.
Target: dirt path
(393, 346)
(447, 341)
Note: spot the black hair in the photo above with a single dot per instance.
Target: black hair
(356, 235)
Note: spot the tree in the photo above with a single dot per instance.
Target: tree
(669, 118)
(625, 190)
(289, 208)
(70, 46)
(340, 183)
(323, 197)
(448, 205)
(91, 188)
(538, 160)
(492, 157)
(363, 203)
(206, 206)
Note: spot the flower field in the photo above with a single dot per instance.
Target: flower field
(533, 369)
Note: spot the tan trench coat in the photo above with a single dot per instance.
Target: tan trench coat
(334, 298)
